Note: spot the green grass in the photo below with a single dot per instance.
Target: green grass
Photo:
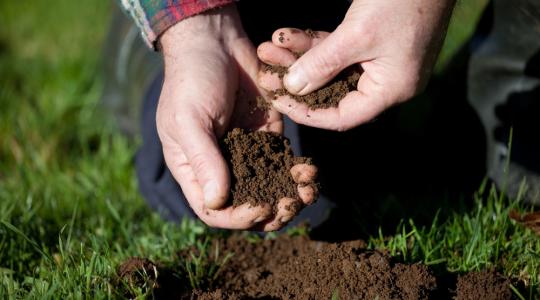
(482, 238)
(70, 211)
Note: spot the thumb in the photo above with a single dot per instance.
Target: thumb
(319, 65)
(203, 155)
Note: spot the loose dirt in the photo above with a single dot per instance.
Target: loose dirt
(261, 165)
(325, 97)
(483, 285)
(299, 268)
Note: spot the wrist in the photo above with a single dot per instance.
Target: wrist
(220, 25)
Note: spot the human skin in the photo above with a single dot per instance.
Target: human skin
(396, 44)
(210, 74)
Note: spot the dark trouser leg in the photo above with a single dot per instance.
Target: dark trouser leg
(504, 89)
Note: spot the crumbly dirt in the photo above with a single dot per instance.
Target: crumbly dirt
(135, 273)
(260, 163)
(483, 285)
(529, 220)
(281, 71)
(299, 268)
(325, 97)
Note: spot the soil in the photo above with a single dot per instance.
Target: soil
(299, 268)
(260, 163)
(325, 97)
(483, 285)
(529, 220)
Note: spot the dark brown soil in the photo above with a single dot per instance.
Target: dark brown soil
(325, 97)
(261, 164)
(281, 71)
(483, 285)
(299, 268)
(137, 273)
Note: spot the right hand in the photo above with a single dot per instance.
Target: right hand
(394, 42)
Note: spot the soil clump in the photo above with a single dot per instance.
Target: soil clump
(483, 285)
(261, 164)
(325, 97)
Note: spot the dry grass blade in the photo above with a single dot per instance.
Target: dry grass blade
(529, 220)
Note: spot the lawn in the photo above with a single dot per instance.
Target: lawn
(70, 211)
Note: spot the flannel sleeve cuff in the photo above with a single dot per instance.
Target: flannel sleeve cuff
(153, 17)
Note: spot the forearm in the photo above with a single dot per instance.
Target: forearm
(154, 17)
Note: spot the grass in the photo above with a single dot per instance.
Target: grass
(482, 238)
(70, 211)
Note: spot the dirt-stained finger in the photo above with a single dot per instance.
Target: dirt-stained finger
(296, 40)
(304, 173)
(308, 193)
(274, 55)
(269, 81)
(246, 216)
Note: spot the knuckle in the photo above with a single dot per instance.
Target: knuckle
(199, 161)
(327, 63)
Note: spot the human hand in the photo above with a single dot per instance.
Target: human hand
(396, 44)
(210, 71)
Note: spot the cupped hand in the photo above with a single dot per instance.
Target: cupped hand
(394, 42)
(209, 87)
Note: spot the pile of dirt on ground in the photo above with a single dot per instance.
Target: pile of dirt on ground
(261, 165)
(325, 97)
(483, 285)
(299, 268)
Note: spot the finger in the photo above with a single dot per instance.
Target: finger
(198, 143)
(297, 40)
(308, 193)
(286, 210)
(269, 81)
(303, 173)
(244, 216)
(320, 64)
(241, 217)
(274, 55)
(356, 108)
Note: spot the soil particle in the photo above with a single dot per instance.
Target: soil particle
(281, 37)
(298, 268)
(312, 34)
(483, 285)
(261, 165)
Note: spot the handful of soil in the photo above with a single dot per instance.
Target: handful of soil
(260, 163)
(328, 96)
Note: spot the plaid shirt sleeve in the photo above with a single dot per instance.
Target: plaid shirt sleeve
(153, 17)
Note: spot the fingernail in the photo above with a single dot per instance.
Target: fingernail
(295, 81)
(210, 192)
